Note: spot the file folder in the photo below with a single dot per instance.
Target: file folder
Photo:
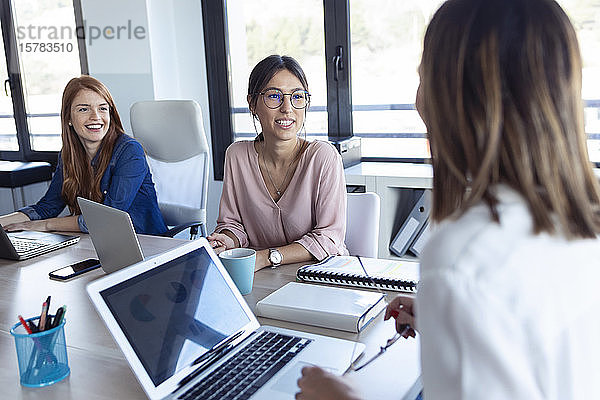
(412, 226)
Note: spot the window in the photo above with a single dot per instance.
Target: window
(42, 55)
(290, 28)
(585, 16)
(386, 50)
(379, 47)
(8, 130)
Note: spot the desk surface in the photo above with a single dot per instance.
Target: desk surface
(98, 368)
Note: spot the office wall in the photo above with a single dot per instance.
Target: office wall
(168, 62)
(120, 58)
(179, 67)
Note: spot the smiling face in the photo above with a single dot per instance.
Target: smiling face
(284, 122)
(90, 117)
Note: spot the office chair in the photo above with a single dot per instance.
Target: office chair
(362, 224)
(172, 134)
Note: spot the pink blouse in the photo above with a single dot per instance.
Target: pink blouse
(311, 211)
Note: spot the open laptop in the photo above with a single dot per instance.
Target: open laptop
(26, 244)
(188, 333)
(112, 234)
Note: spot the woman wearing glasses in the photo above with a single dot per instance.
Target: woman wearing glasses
(98, 162)
(507, 306)
(282, 195)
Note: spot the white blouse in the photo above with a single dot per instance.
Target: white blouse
(506, 314)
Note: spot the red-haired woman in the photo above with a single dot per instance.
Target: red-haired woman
(98, 162)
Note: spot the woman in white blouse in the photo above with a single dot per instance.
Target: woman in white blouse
(507, 306)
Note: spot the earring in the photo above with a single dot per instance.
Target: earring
(70, 124)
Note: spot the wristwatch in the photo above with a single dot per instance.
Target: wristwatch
(275, 258)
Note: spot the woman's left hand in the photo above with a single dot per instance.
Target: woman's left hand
(220, 242)
(318, 384)
(37, 225)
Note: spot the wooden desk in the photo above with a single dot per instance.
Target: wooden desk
(98, 368)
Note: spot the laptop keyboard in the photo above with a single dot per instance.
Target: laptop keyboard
(25, 245)
(242, 375)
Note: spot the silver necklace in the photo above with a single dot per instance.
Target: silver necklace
(277, 190)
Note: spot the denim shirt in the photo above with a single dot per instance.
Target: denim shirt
(126, 185)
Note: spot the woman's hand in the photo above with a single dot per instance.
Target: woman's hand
(220, 242)
(37, 225)
(13, 218)
(317, 384)
(402, 309)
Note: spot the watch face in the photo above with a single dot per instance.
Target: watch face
(275, 257)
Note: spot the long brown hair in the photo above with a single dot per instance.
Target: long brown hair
(80, 178)
(501, 98)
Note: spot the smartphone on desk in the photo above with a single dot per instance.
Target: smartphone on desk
(73, 270)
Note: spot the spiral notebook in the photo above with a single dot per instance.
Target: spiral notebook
(397, 275)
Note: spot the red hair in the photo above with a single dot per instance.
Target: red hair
(80, 178)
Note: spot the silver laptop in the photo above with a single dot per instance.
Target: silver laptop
(188, 333)
(26, 244)
(112, 234)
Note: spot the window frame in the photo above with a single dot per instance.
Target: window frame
(214, 23)
(339, 89)
(339, 93)
(25, 152)
(214, 16)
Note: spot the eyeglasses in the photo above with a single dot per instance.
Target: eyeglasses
(405, 330)
(273, 98)
(382, 349)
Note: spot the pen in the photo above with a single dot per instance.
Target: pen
(24, 323)
(44, 313)
(33, 355)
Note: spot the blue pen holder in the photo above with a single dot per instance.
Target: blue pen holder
(42, 356)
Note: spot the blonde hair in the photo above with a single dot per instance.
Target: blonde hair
(501, 98)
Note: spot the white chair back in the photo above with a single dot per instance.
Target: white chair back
(362, 224)
(172, 134)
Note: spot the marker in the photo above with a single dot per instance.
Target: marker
(24, 323)
(48, 323)
(404, 327)
(33, 327)
(43, 315)
(395, 312)
(60, 315)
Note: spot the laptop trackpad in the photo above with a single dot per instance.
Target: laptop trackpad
(288, 382)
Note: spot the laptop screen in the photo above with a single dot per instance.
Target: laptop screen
(175, 312)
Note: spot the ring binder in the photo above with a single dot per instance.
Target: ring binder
(412, 228)
(346, 270)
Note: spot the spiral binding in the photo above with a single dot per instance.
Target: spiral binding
(347, 279)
